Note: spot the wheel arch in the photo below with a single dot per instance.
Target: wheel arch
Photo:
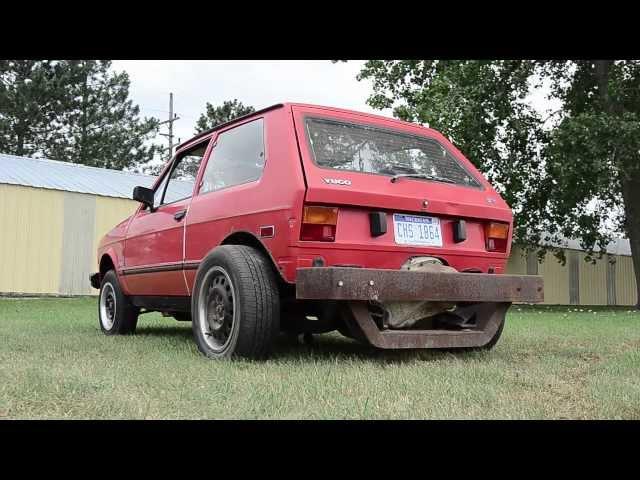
(242, 237)
(106, 264)
(108, 261)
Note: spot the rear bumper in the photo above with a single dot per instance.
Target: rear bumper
(482, 302)
(338, 283)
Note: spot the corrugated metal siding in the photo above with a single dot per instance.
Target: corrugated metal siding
(30, 239)
(580, 282)
(69, 177)
(626, 292)
(77, 243)
(593, 280)
(49, 238)
(611, 279)
(517, 263)
(556, 280)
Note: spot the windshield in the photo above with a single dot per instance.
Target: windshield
(363, 148)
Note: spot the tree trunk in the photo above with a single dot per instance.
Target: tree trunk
(602, 68)
(631, 196)
(630, 179)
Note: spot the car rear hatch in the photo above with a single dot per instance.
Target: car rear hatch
(358, 163)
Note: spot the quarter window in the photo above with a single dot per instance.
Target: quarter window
(183, 175)
(157, 195)
(237, 158)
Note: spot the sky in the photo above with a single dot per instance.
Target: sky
(256, 83)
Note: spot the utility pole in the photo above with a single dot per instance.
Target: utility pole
(172, 118)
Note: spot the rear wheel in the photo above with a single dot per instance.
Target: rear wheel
(494, 339)
(116, 314)
(487, 346)
(235, 304)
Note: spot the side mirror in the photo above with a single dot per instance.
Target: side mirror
(144, 195)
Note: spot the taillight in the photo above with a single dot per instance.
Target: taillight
(497, 235)
(319, 224)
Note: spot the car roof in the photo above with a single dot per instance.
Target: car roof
(294, 104)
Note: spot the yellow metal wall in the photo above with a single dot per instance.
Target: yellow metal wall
(517, 264)
(31, 224)
(32, 229)
(626, 292)
(592, 279)
(556, 280)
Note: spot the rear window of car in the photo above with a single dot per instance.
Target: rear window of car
(368, 149)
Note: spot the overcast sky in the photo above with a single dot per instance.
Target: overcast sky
(256, 83)
(259, 83)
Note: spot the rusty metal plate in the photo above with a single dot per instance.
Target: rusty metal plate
(491, 316)
(339, 283)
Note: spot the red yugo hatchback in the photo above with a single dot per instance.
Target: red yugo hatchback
(309, 219)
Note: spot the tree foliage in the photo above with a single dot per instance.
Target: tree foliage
(574, 174)
(102, 126)
(229, 110)
(75, 111)
(32, 97)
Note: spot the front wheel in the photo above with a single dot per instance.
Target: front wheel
(116, 314)
(235, 305)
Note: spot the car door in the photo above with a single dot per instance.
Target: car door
(154, 248)
(229, 198)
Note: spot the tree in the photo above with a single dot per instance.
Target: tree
(573, 174)
(32, 98)
(222, 114)
(101, 125)
(75, 111)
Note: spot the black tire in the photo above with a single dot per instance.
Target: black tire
(486, 347)
(119, 317)
(348, 326)
(239, 313)
(293, 317)
(182, 316)
(494, 339)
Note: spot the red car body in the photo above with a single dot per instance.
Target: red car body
(156, 240)
(156, 255)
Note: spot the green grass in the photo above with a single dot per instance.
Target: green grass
(550, 363)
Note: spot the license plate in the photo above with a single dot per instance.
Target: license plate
(417, 230)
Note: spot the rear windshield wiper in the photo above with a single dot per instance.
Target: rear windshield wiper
(395, 178)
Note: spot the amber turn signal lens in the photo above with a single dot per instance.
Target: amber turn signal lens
(498, 230)
(320, 215)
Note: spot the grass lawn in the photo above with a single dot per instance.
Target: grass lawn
(550, 363)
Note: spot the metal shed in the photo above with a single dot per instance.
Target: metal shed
(610, 281)
(53, 214)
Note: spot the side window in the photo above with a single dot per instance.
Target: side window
(237, 158)
(179, 184)
(183, 175)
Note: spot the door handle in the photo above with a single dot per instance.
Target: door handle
(179, 215)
